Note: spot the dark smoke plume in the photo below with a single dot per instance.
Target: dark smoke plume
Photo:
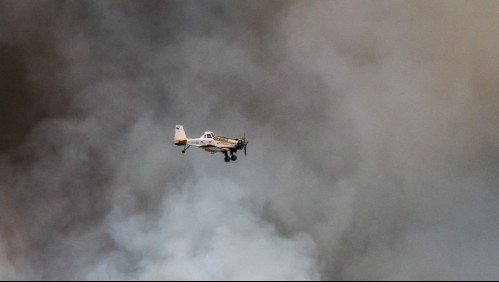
(373, 154)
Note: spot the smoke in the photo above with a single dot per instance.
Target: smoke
(373, 142)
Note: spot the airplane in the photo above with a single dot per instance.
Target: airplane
(211, 143)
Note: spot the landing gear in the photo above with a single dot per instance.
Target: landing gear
(185, 149)
(232, 157)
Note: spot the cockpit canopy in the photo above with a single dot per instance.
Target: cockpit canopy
(208, 135)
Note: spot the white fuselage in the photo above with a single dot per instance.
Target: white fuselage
(212, 143)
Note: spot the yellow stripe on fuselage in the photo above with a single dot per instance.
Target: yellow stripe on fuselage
(181, 141)
(225, 139)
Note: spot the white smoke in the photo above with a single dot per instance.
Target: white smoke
(7, 270)
(209, 232)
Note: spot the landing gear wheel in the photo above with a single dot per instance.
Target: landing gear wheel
(227, 159)
(233, 158)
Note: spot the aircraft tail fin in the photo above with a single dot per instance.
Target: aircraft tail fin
(180, 137)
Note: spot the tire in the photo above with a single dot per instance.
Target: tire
(233, 158)
(227, 159)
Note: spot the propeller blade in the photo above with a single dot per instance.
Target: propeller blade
(245, 151)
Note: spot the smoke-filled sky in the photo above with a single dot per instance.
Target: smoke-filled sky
(373, 133)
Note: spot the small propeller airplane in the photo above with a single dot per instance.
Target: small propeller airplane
(211, 143)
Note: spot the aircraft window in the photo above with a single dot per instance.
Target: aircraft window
(209, 135)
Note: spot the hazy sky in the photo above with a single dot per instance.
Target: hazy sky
(373, 132)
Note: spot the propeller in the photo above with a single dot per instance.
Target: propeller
(243, 143)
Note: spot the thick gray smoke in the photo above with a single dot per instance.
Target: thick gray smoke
(373, 130)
